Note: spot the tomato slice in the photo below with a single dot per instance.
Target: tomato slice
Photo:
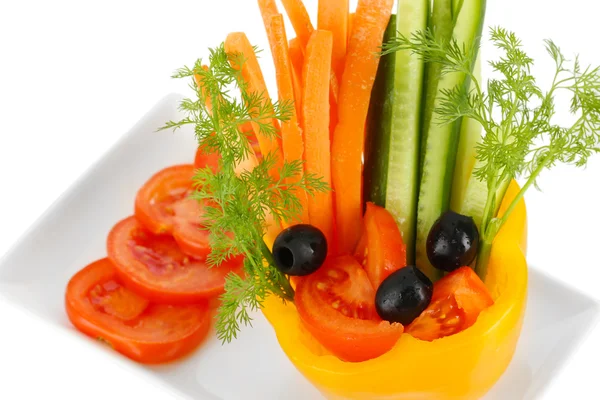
(155, 267)
(163, 206)
(458, 299)
(99, 306)
(154, 201)
(380, 249)
(188, 231)
(337, 306)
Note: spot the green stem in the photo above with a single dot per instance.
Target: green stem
(288, 290)
(489, 205)
(492, 229)
(521, 193)
(483, 258)
(485, 247)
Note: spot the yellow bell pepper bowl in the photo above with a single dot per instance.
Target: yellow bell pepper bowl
(462, 366)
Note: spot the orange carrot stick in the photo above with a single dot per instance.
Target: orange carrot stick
(333, 16)
(317, 71)
(237, 43)
(334, 90)
(350, 25)
(300, 20)
(296, 55)
(268, 10)
(291, 135)
(297, 59)
(370, 22)
(303, 27)
(297, 82)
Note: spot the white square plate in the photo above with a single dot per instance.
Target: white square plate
(73, 231)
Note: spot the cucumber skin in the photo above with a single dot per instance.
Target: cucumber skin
(377, 143)
(441, 143)
(393, 151)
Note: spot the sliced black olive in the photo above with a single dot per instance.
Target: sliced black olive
(403, 295)
(300, 250)
(452, 241)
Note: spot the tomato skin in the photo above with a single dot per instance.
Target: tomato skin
(336, 305)
(156, 268)
(458, 299)
(159, 333)
(380, 248)
(154, 201)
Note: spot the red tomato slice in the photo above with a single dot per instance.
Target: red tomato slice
(380, 249)
(163, 205)
(337, 306)
(154, 201)
(188, 230)
(99, 306)
(155, 267)
(458, 299)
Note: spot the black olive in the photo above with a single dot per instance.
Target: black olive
(452, 241)
(300, 250)
(403, 295)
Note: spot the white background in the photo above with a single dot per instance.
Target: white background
(75, 75)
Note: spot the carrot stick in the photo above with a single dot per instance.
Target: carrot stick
(317, 71)
(369, 24)
(297, 82)
(297, 59)
(350, 24)
(334, 90)
(303, 27)
(268, 9)
(291, 135)
(237, 42)
(300, 20)
(333, 16)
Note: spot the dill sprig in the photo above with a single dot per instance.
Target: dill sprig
(241, 205)
(521, 138)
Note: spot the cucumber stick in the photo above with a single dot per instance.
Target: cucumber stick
(441, 142)
(441, 24)
(393, 126)
(470, 135)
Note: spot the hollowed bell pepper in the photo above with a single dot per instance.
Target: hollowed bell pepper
(462, 366)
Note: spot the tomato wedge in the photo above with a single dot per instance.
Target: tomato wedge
(155, 267)
(337, 306)
(458, 299)
(380, 249)
(99, 306)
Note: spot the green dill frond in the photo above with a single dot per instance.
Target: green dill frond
(521, 138)
(239, 206)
